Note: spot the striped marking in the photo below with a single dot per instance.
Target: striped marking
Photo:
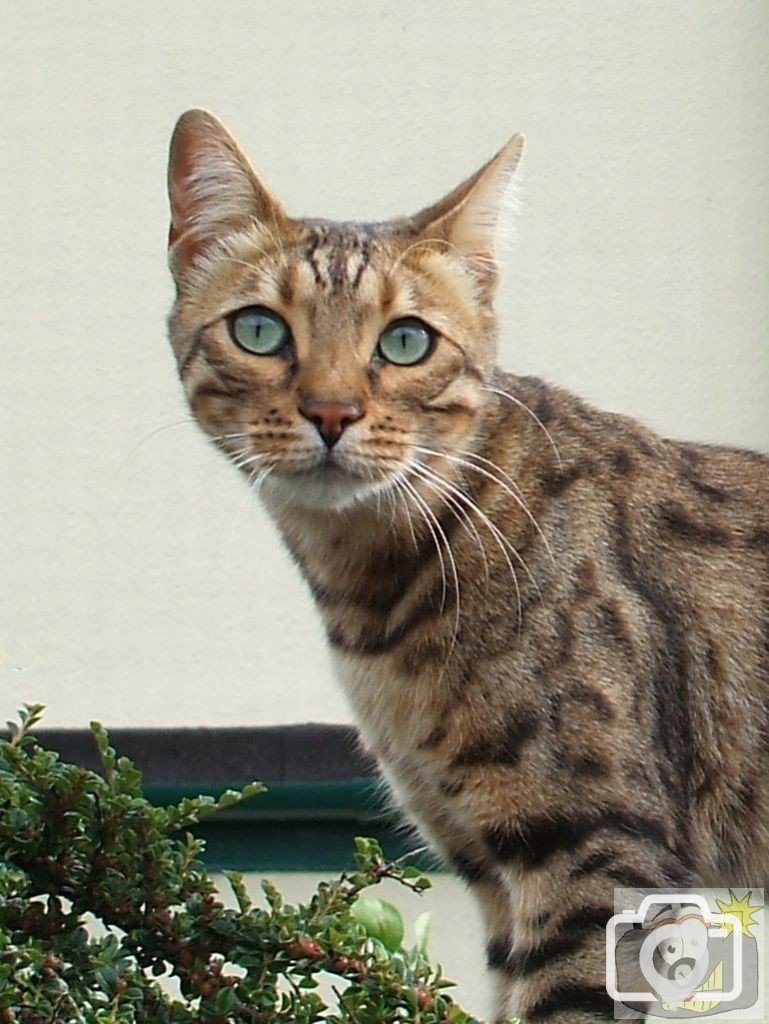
(534, 841)
(191, 354)
(502, 747)
(670, 682)
(678, 522)
(373, 641)
(472, 869)
(521, 964)
(593, 1001)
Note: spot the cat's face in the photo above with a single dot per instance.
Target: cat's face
(330, 361)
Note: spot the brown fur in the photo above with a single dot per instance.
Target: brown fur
(555, 634)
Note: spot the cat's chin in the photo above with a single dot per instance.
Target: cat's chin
(323, 488)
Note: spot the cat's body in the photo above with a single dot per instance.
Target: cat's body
(553, 625)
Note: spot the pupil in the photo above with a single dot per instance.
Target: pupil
(258, 326)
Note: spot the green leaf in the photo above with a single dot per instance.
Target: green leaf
(238, 886)
(226, 1000)
(422, 932)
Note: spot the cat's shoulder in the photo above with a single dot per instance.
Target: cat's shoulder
(596, 444)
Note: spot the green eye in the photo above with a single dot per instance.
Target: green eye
(406, 342)
(258, 330)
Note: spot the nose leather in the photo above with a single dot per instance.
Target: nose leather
(330, 418)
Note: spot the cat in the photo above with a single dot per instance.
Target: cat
(552, 624)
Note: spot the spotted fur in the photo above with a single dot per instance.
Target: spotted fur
(552, 624)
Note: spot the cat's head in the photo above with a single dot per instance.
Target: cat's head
(329, 360)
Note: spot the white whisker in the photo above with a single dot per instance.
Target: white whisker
(457, 508)
(245, 458)
(396, 492)
(154, 433)
(517, 498)
(433, 525)
(430, 522)
(489, 462)
(526, 409)
(504, 544)
(230, 437)
(422, 243)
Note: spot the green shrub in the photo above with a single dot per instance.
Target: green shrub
(108, 915)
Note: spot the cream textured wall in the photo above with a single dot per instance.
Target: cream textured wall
(140, 585)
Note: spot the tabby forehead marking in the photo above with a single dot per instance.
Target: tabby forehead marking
(338, 258)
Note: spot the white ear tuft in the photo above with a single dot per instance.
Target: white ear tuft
(212, 187)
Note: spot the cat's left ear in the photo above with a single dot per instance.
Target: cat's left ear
(468, 216)
(213, 189)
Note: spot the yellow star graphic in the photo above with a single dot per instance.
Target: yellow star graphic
(742, 909)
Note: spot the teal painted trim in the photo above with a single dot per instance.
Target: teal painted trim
(296, 826)
(355, 799)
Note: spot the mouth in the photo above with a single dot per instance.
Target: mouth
(327, 467)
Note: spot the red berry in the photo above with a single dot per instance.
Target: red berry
(306, 948)
(424, 998)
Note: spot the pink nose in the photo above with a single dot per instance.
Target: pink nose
(331, 418)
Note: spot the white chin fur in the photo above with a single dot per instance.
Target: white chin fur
(318, 489)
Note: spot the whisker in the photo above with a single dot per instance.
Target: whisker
(489, 462)
(258, 249)
(240, 433)
(517, 498)
(410, 520)
(526, 409)
(431, 522)
(492, 526)
(433, 525)
(257, 478)
(245, 457)
(450, 555)
(154, 433)
(457, 509)
(421, 244)
(395, 492)
(502, 541)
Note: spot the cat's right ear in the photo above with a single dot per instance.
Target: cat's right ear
(212, 187)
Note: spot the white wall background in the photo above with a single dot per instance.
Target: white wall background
(139, 583)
